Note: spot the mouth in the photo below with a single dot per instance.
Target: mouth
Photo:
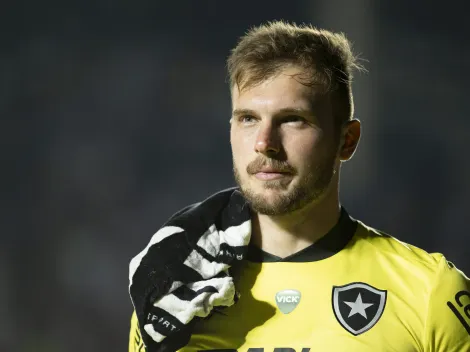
(270, 175)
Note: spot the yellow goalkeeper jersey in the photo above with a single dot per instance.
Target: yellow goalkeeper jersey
(356, 289)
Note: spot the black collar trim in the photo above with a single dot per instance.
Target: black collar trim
(330, 244)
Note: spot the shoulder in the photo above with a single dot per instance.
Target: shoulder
(399, 254)
(212, 203)
(184, 210)
(429, 276)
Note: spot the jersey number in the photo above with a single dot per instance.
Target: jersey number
(462, 298)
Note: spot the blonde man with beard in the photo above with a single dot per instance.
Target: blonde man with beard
(278, 264)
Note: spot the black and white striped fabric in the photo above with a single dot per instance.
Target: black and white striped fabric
(182, 274)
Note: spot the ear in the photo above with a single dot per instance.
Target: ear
(350, 136)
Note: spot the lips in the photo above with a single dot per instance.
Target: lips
(270, 174)
(268, 170)
(274, 167)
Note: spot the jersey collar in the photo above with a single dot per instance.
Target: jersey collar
(333, 242)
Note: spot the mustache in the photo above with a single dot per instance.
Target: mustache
(259, 163)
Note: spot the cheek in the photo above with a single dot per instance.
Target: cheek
(238, 152)
(304, 153)
(241, 145)
(302, 158)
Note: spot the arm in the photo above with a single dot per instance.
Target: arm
(135, 339)
(448, 317)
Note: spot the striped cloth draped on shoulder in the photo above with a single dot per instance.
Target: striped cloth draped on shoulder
(182, 274)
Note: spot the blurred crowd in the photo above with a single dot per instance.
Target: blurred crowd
(117, 115)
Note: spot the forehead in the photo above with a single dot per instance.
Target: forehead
(283, 90)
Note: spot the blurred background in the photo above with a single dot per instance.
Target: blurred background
(115, 115)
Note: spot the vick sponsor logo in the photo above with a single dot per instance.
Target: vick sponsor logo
(287, 300)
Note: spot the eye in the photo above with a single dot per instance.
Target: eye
(294, 120)
(247, 119)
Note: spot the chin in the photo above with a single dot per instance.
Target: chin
(268, 200)
(270, 195)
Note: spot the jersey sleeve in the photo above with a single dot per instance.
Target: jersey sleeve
(447, 326)
(136, 344)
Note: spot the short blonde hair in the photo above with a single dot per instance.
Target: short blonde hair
(325, 56)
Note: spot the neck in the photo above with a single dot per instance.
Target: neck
(287, 234)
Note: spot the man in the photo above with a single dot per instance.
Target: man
(278, 264)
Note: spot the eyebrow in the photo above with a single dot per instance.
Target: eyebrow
(283, 111)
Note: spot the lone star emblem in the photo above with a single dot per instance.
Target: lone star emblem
(358, 306)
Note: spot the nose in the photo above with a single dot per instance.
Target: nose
(267, 140)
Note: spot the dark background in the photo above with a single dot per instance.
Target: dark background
(115, 115)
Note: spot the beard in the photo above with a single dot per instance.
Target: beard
(309, 188)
